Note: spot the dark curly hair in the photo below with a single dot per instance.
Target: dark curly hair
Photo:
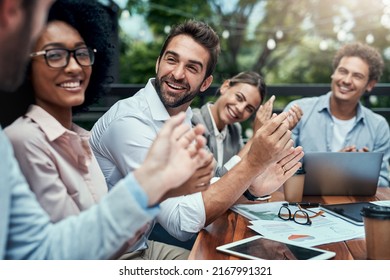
(367, 53)
(91, 20)
(93, 23)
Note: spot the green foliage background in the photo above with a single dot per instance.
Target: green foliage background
(296, 57)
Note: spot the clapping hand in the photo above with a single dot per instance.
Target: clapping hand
(264, 113)
(295, 115)
(353, 148)
(271, 143)
(277, 173)
(177, 152)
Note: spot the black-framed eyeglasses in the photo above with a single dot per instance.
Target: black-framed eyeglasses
(59, 57)
(300, 216)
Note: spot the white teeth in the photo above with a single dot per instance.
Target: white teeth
(232, 113)
(175, 86)
(70, 85)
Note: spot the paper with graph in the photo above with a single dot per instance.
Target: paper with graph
(324, 229)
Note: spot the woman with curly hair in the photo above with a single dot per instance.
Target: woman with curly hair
(68, 71)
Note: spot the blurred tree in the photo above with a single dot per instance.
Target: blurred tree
(162, 14)
(137, 60)
(289, 41)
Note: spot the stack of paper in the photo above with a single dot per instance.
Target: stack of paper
(324, 229)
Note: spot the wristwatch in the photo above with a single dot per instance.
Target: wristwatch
(250, 196)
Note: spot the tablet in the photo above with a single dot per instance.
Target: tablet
(347, 211)
(261, 248)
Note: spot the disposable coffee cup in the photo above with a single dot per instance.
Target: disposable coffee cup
(293, 187)
(377, 229)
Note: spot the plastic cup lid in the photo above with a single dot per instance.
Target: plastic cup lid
(376, 211)
(300, 171)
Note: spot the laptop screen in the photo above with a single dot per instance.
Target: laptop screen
(338, 173)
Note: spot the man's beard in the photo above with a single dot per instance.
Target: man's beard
(177, 101)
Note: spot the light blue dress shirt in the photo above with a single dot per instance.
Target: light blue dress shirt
(314, 132)
(97, 233)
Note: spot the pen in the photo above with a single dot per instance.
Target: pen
(303, 204)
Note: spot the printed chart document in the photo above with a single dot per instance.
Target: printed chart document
(324, 229)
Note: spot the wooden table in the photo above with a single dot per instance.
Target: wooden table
(233, 227)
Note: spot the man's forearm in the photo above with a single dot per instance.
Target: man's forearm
(226, 191)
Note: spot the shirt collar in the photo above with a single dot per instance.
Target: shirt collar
(52, 128)
(157, 108)
(324, 104)
(216, 131)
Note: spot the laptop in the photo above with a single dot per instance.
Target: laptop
(339, 173)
